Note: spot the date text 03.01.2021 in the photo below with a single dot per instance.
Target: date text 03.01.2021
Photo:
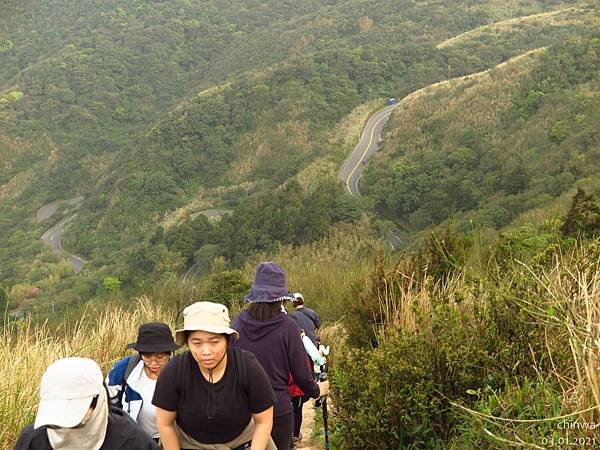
(567, 441)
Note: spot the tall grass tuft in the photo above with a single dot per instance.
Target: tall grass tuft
(497, 353)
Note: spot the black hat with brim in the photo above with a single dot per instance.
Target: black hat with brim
(155, 337)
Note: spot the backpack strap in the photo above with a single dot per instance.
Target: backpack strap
(133, 361)
(26, 437)
(241, 364)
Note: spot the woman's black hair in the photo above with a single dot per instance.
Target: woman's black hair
(298, 301)
(263, 311)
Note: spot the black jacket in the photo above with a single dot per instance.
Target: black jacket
(122, 434)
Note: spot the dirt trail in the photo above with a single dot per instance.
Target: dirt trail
(309, 442)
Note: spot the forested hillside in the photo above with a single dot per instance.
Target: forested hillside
(181, 142)
(155, 110)
(488, 147)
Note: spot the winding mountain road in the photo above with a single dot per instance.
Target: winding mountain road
(53, 236)
(368, 144)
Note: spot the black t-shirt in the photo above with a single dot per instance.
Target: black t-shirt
(122, 433)
(182, 388)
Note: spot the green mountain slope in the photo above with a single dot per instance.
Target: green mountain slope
(104, 102)
(488, 147)
(265, 128)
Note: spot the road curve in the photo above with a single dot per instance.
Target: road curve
(211, 214)
(368, 144)
(53, 236)
(47, 211)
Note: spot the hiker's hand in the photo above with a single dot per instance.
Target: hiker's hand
(323, 388)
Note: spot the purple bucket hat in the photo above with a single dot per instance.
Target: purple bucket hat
(269, 285)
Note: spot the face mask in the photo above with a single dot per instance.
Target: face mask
(89, 434)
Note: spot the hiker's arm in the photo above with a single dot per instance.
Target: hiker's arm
(297, 359)
(165, 421)
(263, 422)
(317, 321)
(115, 382)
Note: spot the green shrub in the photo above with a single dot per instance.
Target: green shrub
(396, 395)
(227, 287)
(583, 218)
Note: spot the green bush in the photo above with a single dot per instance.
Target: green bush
(227, 287)
(583, 218)
(396, 395)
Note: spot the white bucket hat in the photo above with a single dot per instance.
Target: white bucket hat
(205, 316)
(66, 391)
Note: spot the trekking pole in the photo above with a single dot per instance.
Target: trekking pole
(323, 377)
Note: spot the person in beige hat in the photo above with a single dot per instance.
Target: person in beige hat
(213, 396)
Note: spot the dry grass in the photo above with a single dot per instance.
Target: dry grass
(571, 313)
(347, 132)
(564, 301)
(467, 100)
(341, 140)
(26, 350)
(335, 336)
(325, 271)
(555, 18)
(511, 67)
(316, 171)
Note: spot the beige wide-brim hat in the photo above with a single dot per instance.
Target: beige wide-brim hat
(205, 316)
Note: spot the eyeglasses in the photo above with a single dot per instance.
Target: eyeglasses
(155, 357)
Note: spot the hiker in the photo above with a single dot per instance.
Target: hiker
(275, 340)
(132, 380)
(74, 413)
(298, 400)
(213, 396)
(314, 359)
(307, 319)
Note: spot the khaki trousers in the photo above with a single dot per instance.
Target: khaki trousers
(188, 442)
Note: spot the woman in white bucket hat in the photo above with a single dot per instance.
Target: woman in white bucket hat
(213, 396)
